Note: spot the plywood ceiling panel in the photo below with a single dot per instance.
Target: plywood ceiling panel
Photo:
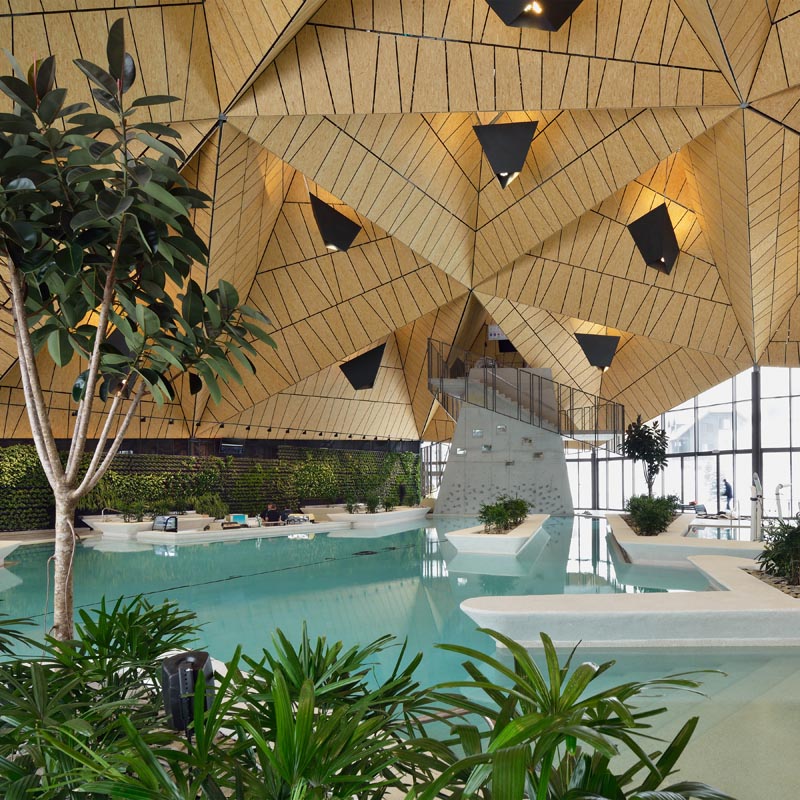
(371, 106)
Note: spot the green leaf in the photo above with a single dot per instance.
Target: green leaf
(259, 333)
(159, 193)
(51, 104)
(24, 233)
(192, 307)
(110, 204)
(106, 99)
(160, 146)
(154, 100)
(70, 259)
(20, 184)
(12, 123)
(115, 48)
(97, 75)
(18, 91)
(59, 347)
(209, 380)
(84, 218)
(79, 387)
(45, 76)
(141, 173)
(228, 297)
(148, 320)
(128, 73)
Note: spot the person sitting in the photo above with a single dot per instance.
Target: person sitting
(270, 515)
(285, 515)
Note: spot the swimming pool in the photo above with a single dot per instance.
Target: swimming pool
(354, 589)
(410, 584)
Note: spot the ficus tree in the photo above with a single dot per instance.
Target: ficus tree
(98, 244)
(648, 444)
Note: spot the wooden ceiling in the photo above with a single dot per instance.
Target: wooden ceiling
(370, 105)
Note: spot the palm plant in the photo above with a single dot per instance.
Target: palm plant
(550, 740)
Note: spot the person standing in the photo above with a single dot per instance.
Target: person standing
(727, 493)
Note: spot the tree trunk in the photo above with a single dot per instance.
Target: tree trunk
(64, 555)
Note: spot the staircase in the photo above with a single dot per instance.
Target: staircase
(584, 420)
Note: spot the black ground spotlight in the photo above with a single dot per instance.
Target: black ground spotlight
(506, 146)
(179, 675)
(546, 15)
(655, 238)
(338, 231)
(598, 348)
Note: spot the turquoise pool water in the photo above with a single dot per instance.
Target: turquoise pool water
(349, 585)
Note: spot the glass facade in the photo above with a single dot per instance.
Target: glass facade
(711, 440)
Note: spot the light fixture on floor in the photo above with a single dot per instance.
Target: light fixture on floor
(655, 238)
(598, 348)
(178, 680)
(338, 231)
(506, 146)
(546, 15)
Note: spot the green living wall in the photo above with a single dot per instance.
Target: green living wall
(146, 483)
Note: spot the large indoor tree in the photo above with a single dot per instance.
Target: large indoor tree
(99, 246)
(648, 444)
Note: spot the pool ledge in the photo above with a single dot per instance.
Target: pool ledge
(748, 611)
(673, 544)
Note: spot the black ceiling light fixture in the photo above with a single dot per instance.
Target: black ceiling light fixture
(546, 15)
(598, 348)
(338, 231)
(506, 146)
(362, 370)
(655, 238)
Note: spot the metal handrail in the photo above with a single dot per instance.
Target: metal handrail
(589, 420)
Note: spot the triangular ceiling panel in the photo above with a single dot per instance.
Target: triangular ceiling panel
(326, 404)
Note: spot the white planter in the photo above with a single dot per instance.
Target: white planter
(475, 540)
(115, 528)
(381, 518)
(322, 513)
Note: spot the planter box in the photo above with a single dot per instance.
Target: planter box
(474, 540)
(322, 513)
(381, 518)
(115, 528)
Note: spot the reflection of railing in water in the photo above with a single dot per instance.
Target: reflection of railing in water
(456, 376)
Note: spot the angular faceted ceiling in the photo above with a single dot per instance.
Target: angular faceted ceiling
(370, 105)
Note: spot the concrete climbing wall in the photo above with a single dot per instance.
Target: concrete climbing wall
(492, 455)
